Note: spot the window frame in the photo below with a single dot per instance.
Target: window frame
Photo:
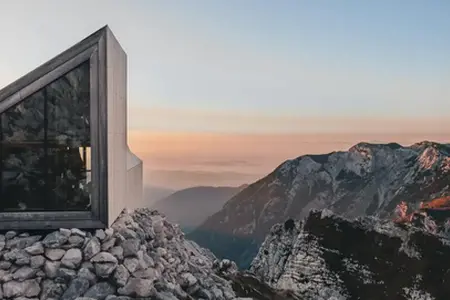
(92, 49)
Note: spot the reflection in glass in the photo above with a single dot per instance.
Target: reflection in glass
(44, 141)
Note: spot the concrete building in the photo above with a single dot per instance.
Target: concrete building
(64, 157)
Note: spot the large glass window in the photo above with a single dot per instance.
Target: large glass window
(45, 148)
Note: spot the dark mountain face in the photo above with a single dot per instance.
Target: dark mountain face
(369, 179)
(190, 207)
(331, 257)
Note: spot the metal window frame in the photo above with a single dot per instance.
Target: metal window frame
(92, 49)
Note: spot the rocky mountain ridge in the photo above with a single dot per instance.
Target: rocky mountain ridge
(331, 257)
(368, 179)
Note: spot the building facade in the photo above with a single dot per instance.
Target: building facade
(64, 156)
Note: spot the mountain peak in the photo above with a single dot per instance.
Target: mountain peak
(441, 148)
(367, 145)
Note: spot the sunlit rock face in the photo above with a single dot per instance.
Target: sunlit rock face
(331, 257)
(45, 145)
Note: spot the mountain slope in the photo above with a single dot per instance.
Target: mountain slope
(368, 179)
(190, 207)
(153, 194)
(330, 256)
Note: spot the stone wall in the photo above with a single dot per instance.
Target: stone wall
(140, 256)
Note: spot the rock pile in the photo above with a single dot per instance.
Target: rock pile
(140, 256)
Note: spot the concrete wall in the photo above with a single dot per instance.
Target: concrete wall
(121, 194)
(134, 182)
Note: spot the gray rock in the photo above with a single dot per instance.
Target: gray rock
(104, 257)
(148, 273)
(65, 232)
(205, 294)
(72, 258)
(103, 270)
(37, 261)
(188, 280)
(5, 275)
(75, 241)
(40, 273)
(130, 247)
(52, 290)
(112, 297)
(65, 275)
(117, 251)
(55, 239)
(121, 276)
(131, 264)
(19, 256)
(108, 244)
(92, 248)
(88, 265)
(77, 287)
(165, 296)
(54, 254)
(10, 234)
(22, 242)
(2, 242)
(139, 287)
(76, 231)
(105, 263)
(24, 273)
(128, 233)
(51, 268)
(28, 288)
(35, 249)
(100, 234)
(109, 232)
(217, 293)
(87, 274)
(119, 237)
(100, 291)
(5, 265)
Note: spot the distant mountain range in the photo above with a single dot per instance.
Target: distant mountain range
(153, 194)
(190, 207)
(368, 179)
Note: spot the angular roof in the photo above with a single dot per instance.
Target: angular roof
(53, 69)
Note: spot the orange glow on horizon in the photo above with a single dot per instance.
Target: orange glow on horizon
(251, 156)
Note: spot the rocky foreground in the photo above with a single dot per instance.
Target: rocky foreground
(142, 256)
(331, 257)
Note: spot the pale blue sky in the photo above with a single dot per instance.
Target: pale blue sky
(265, 59)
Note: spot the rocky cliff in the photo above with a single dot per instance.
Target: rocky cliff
(141, 256)
(368, 179)
(331, 257)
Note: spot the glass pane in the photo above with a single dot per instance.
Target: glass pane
(42, 167)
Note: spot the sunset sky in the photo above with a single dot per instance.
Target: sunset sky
(221, 92)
